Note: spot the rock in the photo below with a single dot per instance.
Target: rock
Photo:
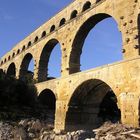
(57, 132)
(80, 132)
(110, 137)
(68, 133)
(36, 125)
(45, 133)
(38, 130)
(41, 137)
(20, 133)
(52, 136)
(29, 123)
(23, 123)
(6, 131)
(46, 137)
(30, 130)
(59, 137)
(31, 135)
(73, 133)
(75, 137)
(69, 137)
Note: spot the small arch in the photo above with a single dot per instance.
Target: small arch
(52, 28)
(47, 98)
(47, 101)
(86, 6)
(73, 14)
(23, 48)
(36, 39)
(43, 34)
(92, 103)
(5, 60)
(18, 51)
(13, 54)
(62, 22)
(11, 71)
(29, 44)
(9, 57)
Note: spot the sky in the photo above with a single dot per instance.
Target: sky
(18, 18)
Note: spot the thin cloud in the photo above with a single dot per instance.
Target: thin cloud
(8, 17)
(5, 16)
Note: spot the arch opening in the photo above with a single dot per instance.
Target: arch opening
(27, 68)
(18, 51)
(50, 61)
(62, 22)
(23, 48)
(9, 57)
(13, 55)
(36, 39)
(97, 42)
(47, 101)
(5, 60)
(29, 44)
(43, 34)
(47, 98)
(52, 28)
(73, 14)
(86, 6)
(11, 71)
(91, 104)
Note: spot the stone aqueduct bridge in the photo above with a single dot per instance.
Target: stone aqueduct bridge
(70, 28)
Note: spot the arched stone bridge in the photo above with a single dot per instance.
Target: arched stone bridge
(70, 27)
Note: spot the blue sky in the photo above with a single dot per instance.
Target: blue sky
(18, 18)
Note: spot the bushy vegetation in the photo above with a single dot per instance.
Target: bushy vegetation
(18, 99)
(16, 92)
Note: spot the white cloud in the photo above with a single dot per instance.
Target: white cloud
(8, 17)
(5, 16)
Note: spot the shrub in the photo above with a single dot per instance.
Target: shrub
(16, 92)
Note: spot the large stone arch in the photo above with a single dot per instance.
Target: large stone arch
(79, 38)
(44, 59)
(23, 72)
(86, 105)
(11, 71)
(47, 97)
(47, 100)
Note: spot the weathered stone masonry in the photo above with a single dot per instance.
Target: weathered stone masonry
(70, 28)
